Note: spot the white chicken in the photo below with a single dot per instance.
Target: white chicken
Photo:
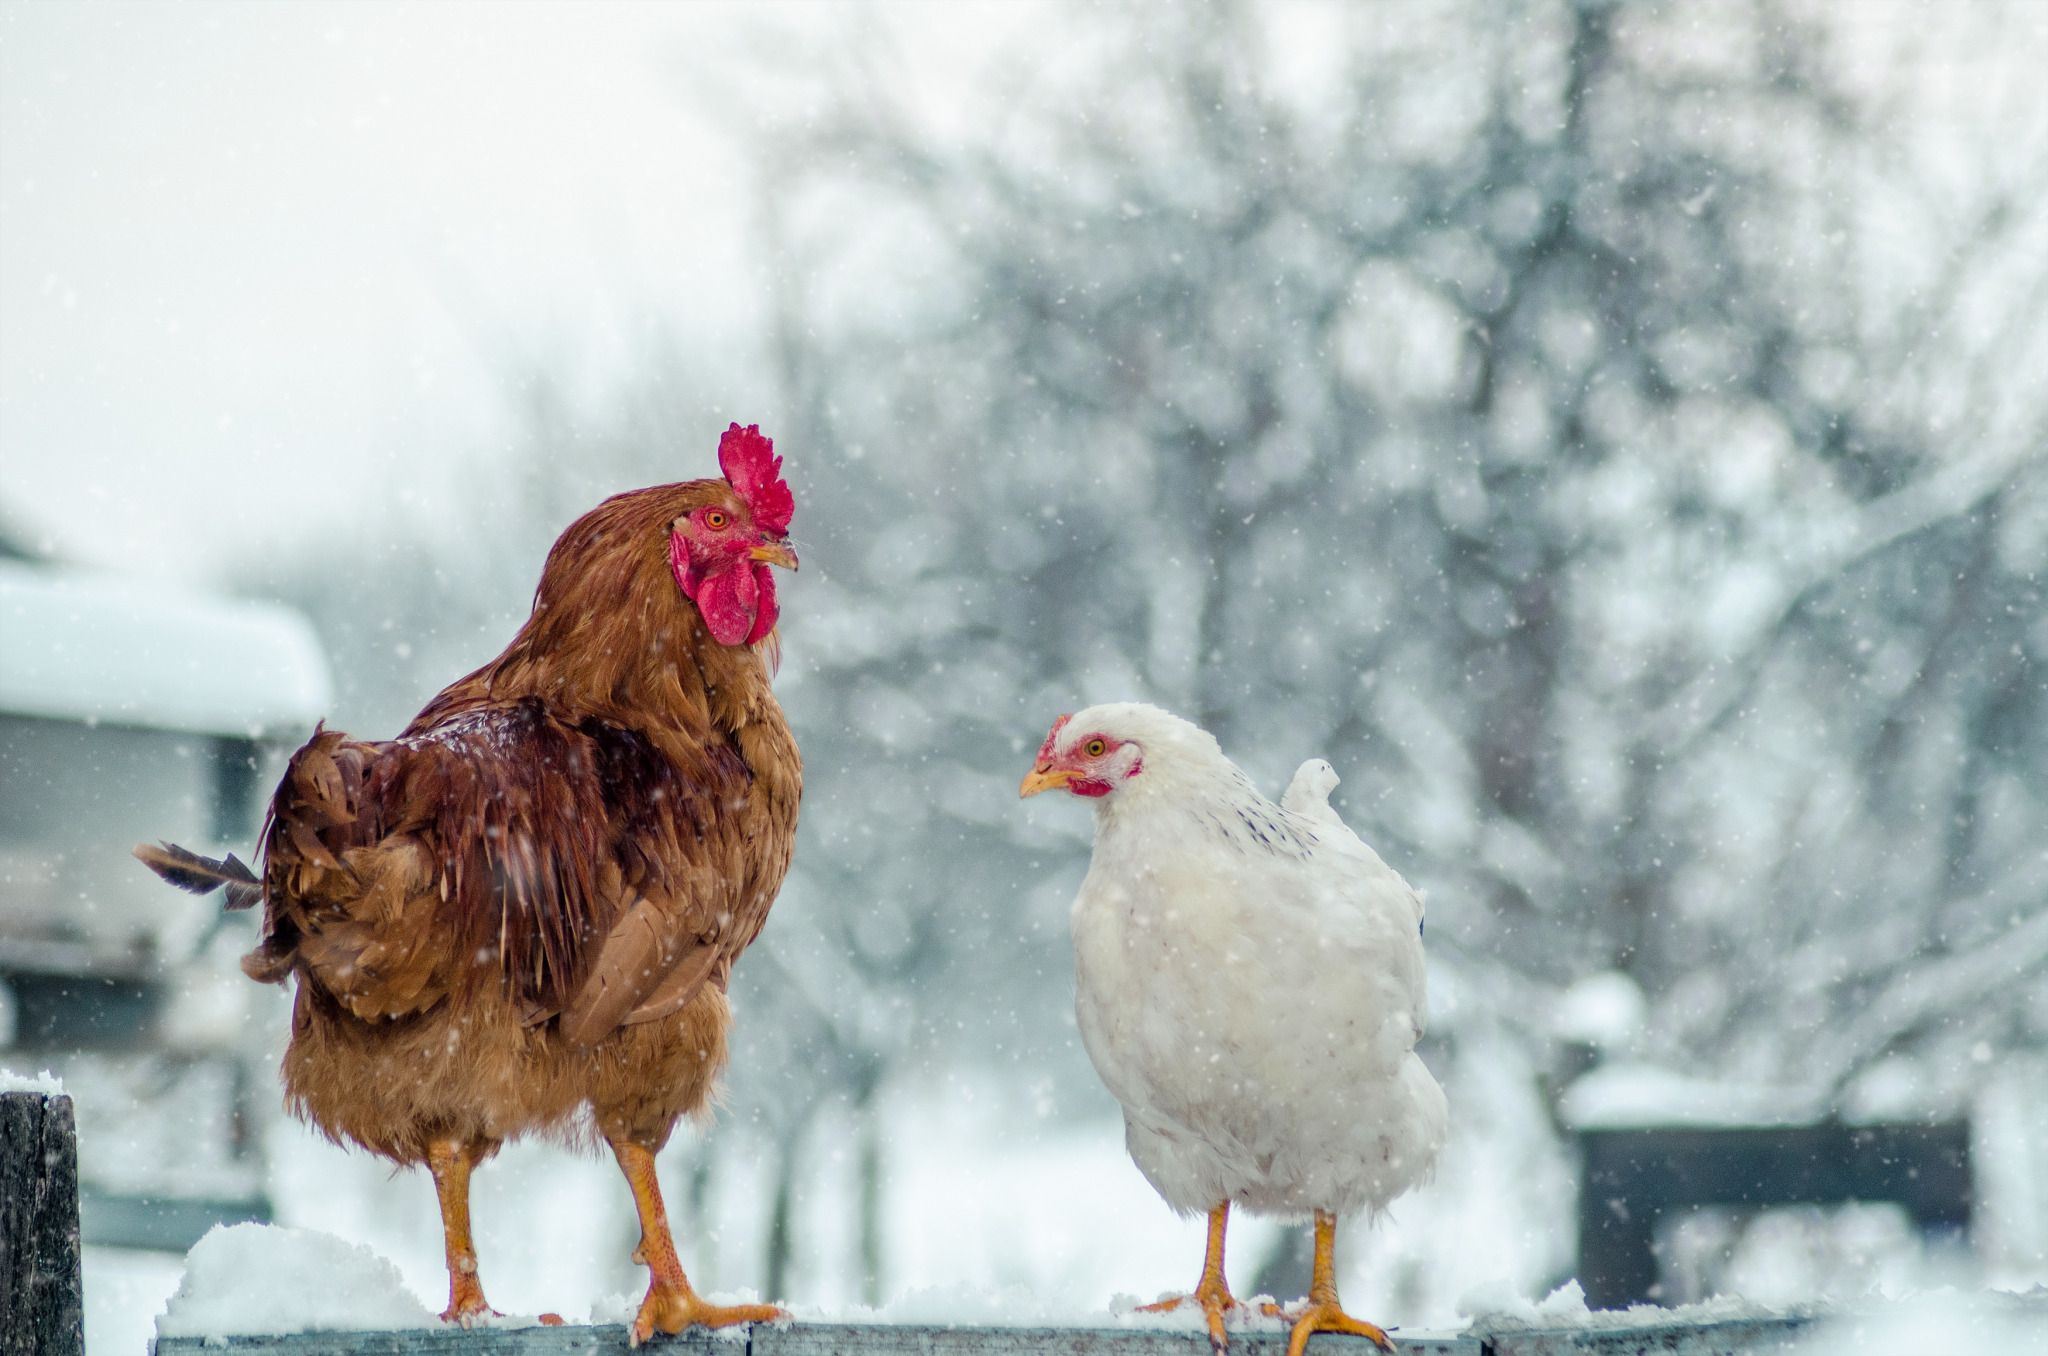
(1250, 986)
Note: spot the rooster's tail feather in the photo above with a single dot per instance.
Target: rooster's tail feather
(202, 875)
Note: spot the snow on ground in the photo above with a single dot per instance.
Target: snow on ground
(1983, 1324)
(2009, 1157)
(45, 1082)
(125, 1290)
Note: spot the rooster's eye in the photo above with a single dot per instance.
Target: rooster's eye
(1095, 748)
(715, 519)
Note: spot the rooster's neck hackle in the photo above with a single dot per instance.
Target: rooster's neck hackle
(611, 635)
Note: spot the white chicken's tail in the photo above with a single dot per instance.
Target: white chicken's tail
(1308, 795)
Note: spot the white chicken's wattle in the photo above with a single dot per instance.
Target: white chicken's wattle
(1250, 986)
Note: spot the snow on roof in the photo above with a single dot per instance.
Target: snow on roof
(96, 647)
(1604, 1010)
(1626, 1095)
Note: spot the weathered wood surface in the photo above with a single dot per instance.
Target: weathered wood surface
(1748, 1337)
(1738, 1338)
(825, 1339)
(799, 1339)
(42, 1290)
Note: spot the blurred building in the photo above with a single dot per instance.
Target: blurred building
(132, 710)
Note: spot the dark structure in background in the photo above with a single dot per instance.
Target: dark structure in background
(1633, 1178)
(131, 711)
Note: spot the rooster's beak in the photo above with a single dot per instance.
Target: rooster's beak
(775, 553)
(1044, 779)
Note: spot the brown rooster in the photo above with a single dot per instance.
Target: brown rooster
(529, 902)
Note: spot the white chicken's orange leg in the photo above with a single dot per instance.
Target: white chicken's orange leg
(670, 1305)
(1211, 1292)
(1322, 1313)
(450, 1162)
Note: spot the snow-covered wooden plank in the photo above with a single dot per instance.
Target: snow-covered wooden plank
(1740, 1337)
(534, 1341)
(798, 1339)
(830, 1339)
(42, 1285)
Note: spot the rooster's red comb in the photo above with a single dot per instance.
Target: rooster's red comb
(752, 468)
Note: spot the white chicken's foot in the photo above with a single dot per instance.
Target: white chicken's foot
(1320, 1312)
(1211, 1292)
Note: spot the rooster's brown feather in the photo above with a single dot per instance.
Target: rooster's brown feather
(530, 899)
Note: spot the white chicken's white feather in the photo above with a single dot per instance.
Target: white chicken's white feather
(1250, 983)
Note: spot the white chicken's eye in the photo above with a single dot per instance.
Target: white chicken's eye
(1095, 748)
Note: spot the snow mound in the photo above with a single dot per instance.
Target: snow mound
(45, 1082)
(262, 1280)
(1497, 1307)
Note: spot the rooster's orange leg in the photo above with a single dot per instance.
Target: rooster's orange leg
(1211, 1292)
(450, 1162)
(670, 1305)
(1321, 1312)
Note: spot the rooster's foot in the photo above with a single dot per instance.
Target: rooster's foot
(466, 1302)
(670, 1308)
(1216, 1301)
(1323, 1316)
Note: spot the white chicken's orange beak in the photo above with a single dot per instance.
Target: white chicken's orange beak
(775, 553)
(1044, 779)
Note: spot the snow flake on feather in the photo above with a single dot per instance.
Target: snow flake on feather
(493, 727)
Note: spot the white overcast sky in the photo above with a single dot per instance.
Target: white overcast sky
(260, 261)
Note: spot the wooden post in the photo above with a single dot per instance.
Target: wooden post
(42, 1286)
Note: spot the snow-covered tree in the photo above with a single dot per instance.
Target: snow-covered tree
(1594, 429)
